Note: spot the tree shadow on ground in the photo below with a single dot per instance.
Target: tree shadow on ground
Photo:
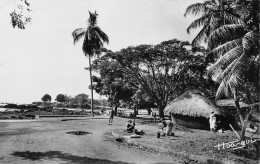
(212, 161)
(68, 158)
(79, 119)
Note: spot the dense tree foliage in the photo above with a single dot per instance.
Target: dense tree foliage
(46, 98)
(60, 98)
(212, 14)
(234, 46)
(21, 14)
(112, 82)
(151, 74)
(81, 100)
(141, 100)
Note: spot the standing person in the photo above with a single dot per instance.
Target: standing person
(151, 115)
(111, 117)
(154, 116)
(169, 128)
(212, 121)
(102, 110)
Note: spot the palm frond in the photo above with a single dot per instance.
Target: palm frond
(101, 34)
(222, 49)
(94, 40)
(249, 40)
(232, 19)
(92, 21)
(201, 36)
(223, 62)
(224, 33)
(226, 71)
(198, 23)
(223, 89)
(195, 9)
(240, 69)
(78, 34)
(214, 23)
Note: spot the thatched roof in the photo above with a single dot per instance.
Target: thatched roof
(192, 103)
(230, 103)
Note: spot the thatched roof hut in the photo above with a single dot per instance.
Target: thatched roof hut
(194, 104)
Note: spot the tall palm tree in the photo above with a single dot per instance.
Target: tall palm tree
(94, 38)
(237, 53)
(213, 14)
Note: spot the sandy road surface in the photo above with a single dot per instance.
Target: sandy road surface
(46, 141)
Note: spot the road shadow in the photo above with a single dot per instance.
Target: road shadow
(68, 158)
(212, 161)
(88, 118)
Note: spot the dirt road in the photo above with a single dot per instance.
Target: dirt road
(47, 141)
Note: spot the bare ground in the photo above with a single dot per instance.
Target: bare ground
(47, 141)
(192, 146)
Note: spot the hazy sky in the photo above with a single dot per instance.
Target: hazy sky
(43, 59)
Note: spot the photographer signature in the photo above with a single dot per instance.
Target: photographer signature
(235, 144)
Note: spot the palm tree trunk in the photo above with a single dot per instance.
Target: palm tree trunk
(258, 86)
(90, 73)
(242, 120)
(238, 107)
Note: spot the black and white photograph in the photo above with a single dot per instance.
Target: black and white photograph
(129, 82)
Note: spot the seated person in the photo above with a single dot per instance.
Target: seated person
(130, 126)
(251, 128)
(163, 125)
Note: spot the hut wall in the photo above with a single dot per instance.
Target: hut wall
(203, 123)
(191, 122)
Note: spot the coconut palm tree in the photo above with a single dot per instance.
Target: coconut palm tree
(237, 53)
(94, 38)
(213, 14)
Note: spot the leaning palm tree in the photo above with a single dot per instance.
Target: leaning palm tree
(213, 14)
(237, 53)
(94, 38)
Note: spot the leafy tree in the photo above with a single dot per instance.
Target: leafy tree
(68, 98)
(82, 100)
(94, 38)
(164, 71)
(112, 82)
(213, 14)
(237, 48)
(60, 98)
(103, 102)
(46, 98)
(20, 16)
(142, 100)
